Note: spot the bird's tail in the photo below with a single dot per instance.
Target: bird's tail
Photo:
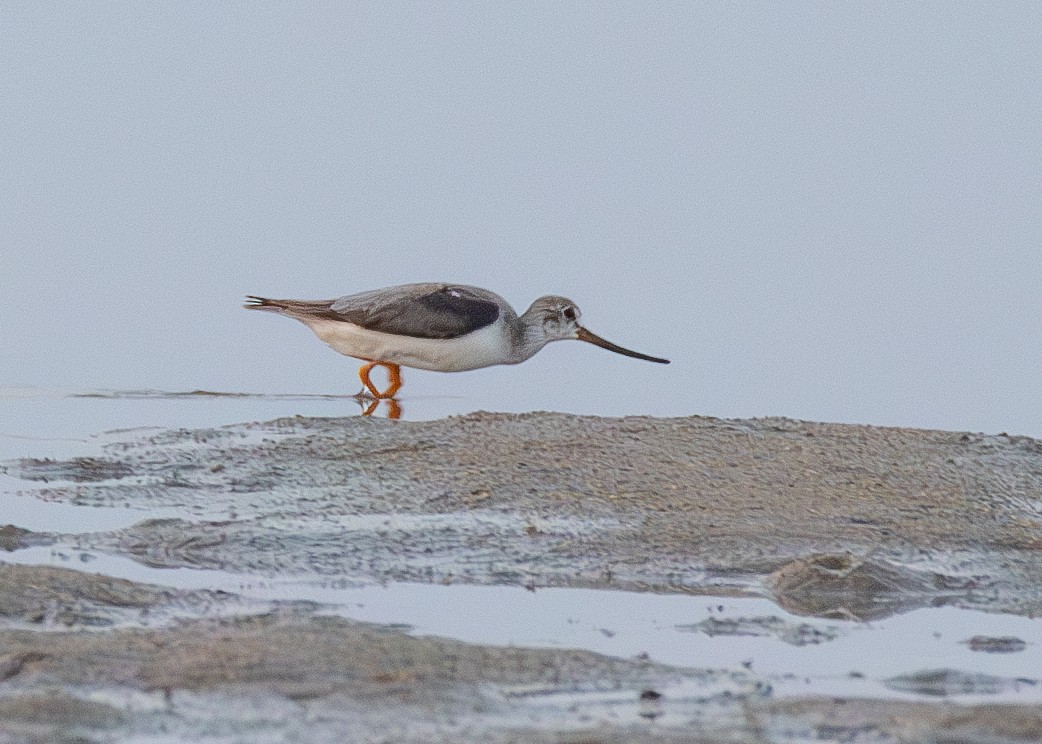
(263, 303)
(293, 308)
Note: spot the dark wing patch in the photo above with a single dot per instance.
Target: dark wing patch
(448, 312)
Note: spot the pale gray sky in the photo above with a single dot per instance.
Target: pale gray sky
(827, 211)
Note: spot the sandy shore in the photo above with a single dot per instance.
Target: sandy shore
(825, 520)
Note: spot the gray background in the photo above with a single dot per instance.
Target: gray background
(826, 211)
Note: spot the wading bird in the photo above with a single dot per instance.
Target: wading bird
(441, 327)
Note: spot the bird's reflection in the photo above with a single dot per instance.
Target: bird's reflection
(371, 405)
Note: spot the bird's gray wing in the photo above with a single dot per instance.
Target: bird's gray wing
(421, 310)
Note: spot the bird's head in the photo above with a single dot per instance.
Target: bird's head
(557, 318)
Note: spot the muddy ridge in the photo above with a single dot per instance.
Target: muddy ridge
(910, 517)
(845, 522)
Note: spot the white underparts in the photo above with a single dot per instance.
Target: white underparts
(482, 348)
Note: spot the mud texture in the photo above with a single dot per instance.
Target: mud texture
(795, 634)
(850, 521)
(287, 675)
(294, 675)
(835, 521)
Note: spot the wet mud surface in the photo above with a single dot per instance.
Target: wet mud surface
(287, 673)
(843, 525)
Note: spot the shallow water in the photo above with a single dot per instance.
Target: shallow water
(856, 661)
(795, 655)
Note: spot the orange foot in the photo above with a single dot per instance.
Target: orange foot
(393, 371)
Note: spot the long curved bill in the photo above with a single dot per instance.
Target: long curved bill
(592, 338)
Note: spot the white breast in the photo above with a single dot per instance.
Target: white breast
(482, 348)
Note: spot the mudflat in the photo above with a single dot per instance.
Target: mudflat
(852, 523)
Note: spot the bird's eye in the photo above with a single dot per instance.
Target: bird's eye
(569, 312)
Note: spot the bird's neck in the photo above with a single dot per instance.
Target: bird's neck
(527, 337)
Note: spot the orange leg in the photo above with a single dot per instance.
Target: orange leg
(363, 375)
(394, 372)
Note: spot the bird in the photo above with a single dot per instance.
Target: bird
(435, 326)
